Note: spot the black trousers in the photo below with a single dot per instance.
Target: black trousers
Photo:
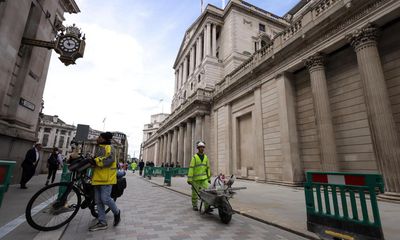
(52, 173)
(27, 174)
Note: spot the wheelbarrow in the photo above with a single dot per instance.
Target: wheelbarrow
(218, 198)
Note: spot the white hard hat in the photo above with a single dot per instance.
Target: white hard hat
(201, 144)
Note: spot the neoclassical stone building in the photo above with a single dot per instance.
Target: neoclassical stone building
(318, 89)
(23, 70)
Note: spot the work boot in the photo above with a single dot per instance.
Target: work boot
(195, 208)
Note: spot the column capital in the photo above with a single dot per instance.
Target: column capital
(363, 37)
(315, 61)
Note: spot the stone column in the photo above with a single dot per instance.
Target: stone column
(208, 52)
(201, 49)
(185, 69)
(205, 37)
(169, 140)
(188, 144)
(198, 130)
(174, 146)
(214, 40)
(181, 145)
(384, 134)
(165, 140)
(191, 62)
(322, 109)
(258, 136)
(180, 75)
(292, 167)
(198, 53)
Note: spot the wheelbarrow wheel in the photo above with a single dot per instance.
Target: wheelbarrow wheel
(225, 211)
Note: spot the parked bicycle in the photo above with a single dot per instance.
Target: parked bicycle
(55, 205)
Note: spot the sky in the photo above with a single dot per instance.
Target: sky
(126, 73)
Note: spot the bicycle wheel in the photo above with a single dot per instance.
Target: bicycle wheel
(46, 211)
(93, 209)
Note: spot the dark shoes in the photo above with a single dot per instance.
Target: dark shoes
(98, 226)
(117, 218)
(195, 208)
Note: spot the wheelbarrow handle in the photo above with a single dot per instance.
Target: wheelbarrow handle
(197, 192)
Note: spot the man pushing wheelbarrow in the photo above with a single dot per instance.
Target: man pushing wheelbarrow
(199, 175)
(216, 196)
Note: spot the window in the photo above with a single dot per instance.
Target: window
(61, 142)
(261, 27)
(63, 132)
(199, 78)
(255, 46)
(47, 130)
(45, 139)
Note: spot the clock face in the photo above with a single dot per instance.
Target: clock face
(68, 44)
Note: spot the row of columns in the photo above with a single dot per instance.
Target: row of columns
(178, 144)
(381, 121)
(205, 45)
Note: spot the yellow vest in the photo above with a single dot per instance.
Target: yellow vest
(104, 175)
(199, 170)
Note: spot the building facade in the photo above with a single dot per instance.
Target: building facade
(23, 70)
(149, 130)
(322, 93)
(53, 132)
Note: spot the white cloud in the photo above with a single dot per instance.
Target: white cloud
(109, 81)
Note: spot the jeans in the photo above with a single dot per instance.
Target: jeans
(102, 196)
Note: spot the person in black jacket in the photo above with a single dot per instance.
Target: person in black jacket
(29, 164)
(141, 166)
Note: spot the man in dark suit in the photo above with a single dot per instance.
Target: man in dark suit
(29, 164)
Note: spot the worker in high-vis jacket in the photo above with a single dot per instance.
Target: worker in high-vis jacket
(199, 175)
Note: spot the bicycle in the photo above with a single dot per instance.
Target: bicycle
(57, 204)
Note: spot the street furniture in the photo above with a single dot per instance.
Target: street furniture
(167, 176)
(343, 205)
(6, 170)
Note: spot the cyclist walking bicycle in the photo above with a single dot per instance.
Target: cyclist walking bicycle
(104, 176)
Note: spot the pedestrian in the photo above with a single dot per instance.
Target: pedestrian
(172, 165)
(53, 163)
(199, 175)
(141, 166)
(104, 176)
(29, 164)
(162, 164)
(133, 166)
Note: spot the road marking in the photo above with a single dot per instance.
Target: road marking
(6, 229)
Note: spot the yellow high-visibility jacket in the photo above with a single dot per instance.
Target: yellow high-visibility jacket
(133, 166)
(199, 170)
(105, 171)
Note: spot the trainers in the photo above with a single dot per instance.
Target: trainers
(195, 208)
(98, 226)
(117, 218)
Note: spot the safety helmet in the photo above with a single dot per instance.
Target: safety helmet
(201, 144)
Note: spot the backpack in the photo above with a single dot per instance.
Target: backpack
(118, 189)
(53, 160)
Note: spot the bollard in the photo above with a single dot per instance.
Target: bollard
(66, 176)
(167, 176)
(6, 169)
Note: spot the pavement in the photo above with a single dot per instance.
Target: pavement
(154, 211)
(284, 206)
